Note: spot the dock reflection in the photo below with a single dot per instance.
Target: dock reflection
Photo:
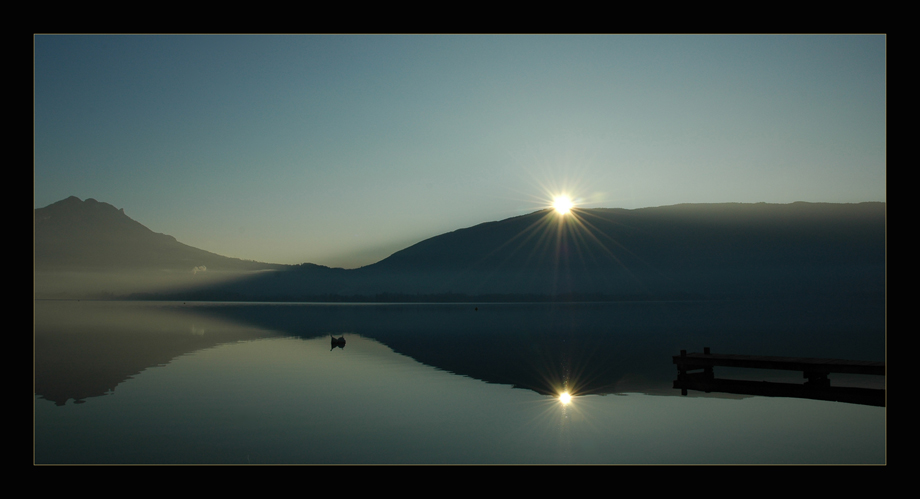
(816, 371)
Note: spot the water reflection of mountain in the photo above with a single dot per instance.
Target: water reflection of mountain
(86, 350)
(587, 348)
(590, 348)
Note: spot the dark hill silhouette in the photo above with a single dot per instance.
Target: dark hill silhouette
(680, 251)
(89, 235)
(691, 250)
(674, 237)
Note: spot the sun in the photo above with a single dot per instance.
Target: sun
(565, 398)
(562, 204)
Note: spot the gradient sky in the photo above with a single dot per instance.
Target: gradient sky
(340, 150)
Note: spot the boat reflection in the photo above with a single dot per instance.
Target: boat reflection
(337, 342)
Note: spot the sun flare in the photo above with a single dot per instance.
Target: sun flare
(562, 204)
(565, 398)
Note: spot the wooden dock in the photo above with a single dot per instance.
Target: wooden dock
(816, 371)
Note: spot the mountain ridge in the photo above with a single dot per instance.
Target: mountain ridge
(696, 249)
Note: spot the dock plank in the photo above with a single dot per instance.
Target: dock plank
(695, 360)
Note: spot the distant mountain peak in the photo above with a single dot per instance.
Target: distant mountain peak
(73, 202)
(92, 234)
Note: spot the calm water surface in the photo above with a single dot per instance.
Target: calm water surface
(128, 382)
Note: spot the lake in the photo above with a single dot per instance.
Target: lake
(256, 383)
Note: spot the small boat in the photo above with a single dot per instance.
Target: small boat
(337, 342)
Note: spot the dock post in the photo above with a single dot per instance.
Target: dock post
(682, 372)
(707, 372)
